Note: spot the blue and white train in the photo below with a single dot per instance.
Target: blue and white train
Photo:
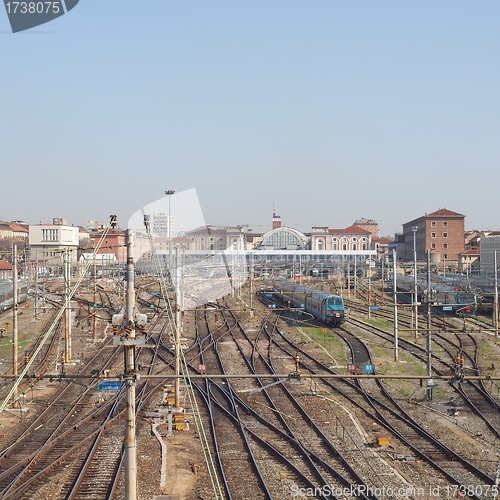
(325, 307)
(6, 294)
(461, 301)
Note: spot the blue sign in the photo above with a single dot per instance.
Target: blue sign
(110, 385)
(447, 308)
(373, 308)
(368, 368)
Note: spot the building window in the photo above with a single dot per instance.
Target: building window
(445, 223)
(50, 234)
(445, 235)
(433, 246)
(445, 256)
(445, 245)
(433, 235)
(433, 224)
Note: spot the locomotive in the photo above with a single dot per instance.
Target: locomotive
(325, 307)
(461, 301)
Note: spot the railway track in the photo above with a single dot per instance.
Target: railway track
(73, 449)
(457, 470)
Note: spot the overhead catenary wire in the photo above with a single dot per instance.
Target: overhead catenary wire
(58, 316)
(200, 428)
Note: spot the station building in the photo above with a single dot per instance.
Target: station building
(350, 238)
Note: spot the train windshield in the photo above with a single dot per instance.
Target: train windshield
(333, 303)
(466, 298)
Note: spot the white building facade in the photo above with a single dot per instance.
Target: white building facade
(48, 242)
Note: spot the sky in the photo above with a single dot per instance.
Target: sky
(329, 111)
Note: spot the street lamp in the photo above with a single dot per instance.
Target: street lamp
(169, 193)
(415, 296)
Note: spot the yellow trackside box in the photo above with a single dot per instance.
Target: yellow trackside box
(382, 440)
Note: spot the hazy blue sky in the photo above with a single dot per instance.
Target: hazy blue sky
(331, 110)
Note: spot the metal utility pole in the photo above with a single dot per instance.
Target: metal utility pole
(429, 310)
(395, 295)
(495, 306)
(355, 276)
(383, 279)
(300, 269)
(415, 294)
(169, 193)
(124, 328)
(251, 285)
(349, 278)
(177, 330)
(15, 353)
(67, 315)
(36, 283)
(94, 312)
(129, 376)
(369, 289)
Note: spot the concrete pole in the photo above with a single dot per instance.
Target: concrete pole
(169, 193)
(349, 278)
(495, 305)
(177, 331)
(355, 276)
(67, 317)
(395, 295)
(94, 312)
(369, 289)
(251, 285)
(429, 310)
(383, 279)
(70, 353)
(129, 376)
(415, 294)
(36, 284)
(15, 340)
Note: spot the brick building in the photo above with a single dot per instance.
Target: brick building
(441, 232)
(369, 225)
(113, 243)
